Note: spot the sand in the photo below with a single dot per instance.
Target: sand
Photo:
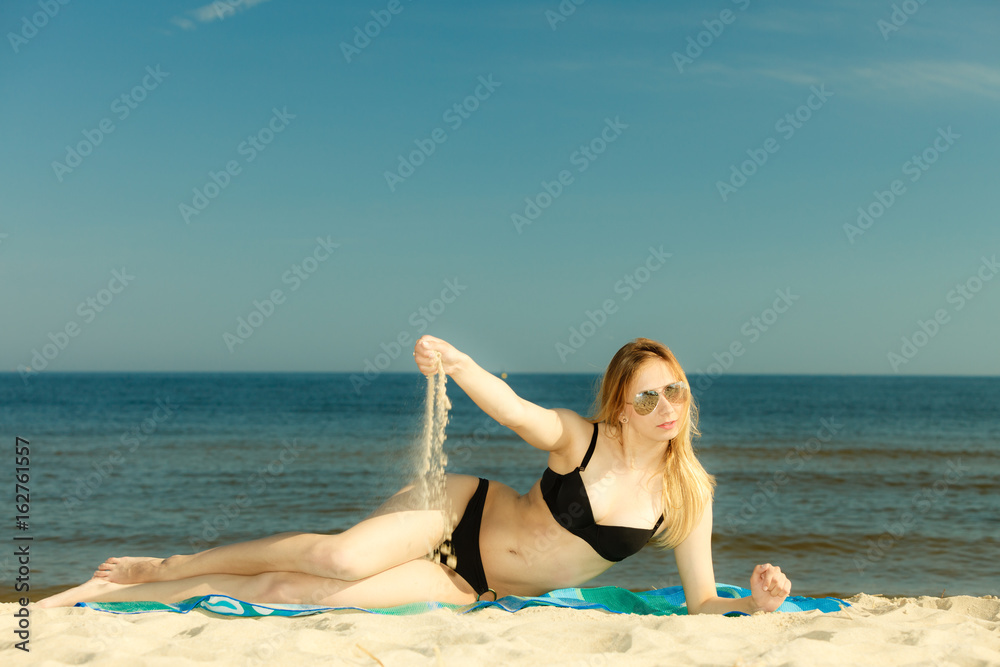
(958, 630)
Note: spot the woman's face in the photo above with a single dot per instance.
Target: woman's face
(663, 423)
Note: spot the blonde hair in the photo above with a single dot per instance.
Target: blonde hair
(686, 484)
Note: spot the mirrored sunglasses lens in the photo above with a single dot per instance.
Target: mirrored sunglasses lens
(646, 402)
(676, 393)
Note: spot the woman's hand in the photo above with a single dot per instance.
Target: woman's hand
(768, 587)
(426, 352)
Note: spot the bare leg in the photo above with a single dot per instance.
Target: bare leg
(282, 552)
(414, 581)
(374, 545)
(99, 590)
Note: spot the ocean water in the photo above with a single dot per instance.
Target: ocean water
(874, 484)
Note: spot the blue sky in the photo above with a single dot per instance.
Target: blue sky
(693, 165)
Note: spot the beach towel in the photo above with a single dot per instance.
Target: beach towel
(659, 602)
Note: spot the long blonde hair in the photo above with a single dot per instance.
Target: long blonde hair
(686, 484)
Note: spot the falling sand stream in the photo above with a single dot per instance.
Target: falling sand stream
(432, 461)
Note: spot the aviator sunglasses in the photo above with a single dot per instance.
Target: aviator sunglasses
(646, 401)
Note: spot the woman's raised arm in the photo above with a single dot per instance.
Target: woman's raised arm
(549, 430)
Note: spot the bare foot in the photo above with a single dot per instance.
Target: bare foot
(89, 591)
(129, 569)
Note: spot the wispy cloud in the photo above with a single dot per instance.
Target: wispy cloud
(917, 78)
(214, 11)
(929, 78)
(182, 22)
(792, 20)
(790, 76)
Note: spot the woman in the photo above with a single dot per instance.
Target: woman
(612, 484)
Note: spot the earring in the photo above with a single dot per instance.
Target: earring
(624, 420)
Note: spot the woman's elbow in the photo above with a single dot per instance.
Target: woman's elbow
(701, 606)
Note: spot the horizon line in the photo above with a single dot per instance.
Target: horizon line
(498, 373)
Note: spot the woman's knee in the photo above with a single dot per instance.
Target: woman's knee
(333, 557)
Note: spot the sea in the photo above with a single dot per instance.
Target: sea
(848, 483)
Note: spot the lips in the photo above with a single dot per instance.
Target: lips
(666, 426)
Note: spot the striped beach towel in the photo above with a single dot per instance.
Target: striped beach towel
(659, 602)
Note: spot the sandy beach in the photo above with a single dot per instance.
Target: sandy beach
(958, 630)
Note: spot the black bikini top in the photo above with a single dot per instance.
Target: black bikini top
(569, 503)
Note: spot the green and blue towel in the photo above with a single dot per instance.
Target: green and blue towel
(659, 602)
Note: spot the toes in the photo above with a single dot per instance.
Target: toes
(110, 563)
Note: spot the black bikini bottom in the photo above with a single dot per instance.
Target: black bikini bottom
(465, 542)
